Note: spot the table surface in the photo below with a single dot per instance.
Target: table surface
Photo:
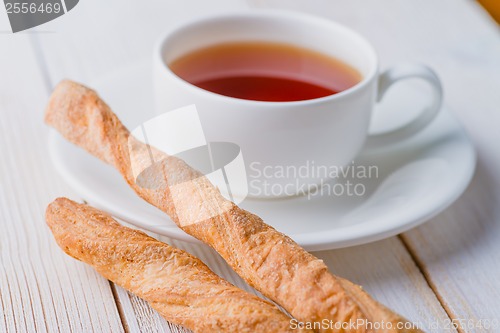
(446, 269)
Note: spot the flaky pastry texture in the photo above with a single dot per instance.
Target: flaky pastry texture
(268, 260)
(178, 285)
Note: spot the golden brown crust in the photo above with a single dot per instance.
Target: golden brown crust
(265, 258)
(178, 285)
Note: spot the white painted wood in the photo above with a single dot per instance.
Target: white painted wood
(84, 64)
(384, 269)
(457, 251)
(460, 249)
(140, 317)
(41, 288)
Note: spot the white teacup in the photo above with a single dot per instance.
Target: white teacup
(327, 131)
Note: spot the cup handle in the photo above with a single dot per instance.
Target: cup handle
(386, 80)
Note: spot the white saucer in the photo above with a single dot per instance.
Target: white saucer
(417, 179)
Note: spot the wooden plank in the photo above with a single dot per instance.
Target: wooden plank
(41, 289)
(385, 268)
(493, 7)
(99, 37)
(458, 251)
(94, 55)
(140, 317)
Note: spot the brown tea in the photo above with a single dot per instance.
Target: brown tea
(264, 71)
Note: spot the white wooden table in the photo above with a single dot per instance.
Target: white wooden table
(448, 268)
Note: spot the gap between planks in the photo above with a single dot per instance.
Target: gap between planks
(421, 267)
(119, 306)
(43, 65)
(49, 85)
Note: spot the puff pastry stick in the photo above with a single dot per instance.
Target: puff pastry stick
(178, 285)
(265, 258)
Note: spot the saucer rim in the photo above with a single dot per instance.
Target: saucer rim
(313, 241)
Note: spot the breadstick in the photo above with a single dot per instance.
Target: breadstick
(178, 285)
(268, 260)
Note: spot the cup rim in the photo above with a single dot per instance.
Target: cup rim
(279, 14)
